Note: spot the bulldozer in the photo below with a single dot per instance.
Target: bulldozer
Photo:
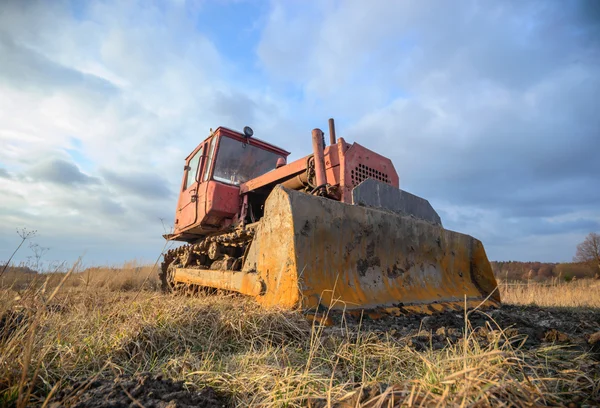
(331, 230)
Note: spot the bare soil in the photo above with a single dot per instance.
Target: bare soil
(141, 390)
(528, 326)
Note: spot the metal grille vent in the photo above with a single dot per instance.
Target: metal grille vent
(362, 172)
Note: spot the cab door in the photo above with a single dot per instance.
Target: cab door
(187, 209)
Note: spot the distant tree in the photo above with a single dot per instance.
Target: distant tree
(589, 250)
(546, 271)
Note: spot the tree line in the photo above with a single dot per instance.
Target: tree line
(586, 264)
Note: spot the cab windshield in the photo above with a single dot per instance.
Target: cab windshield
(239, 162)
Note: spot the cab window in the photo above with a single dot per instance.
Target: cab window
(209, 161)
(193, 169)
(238, 162)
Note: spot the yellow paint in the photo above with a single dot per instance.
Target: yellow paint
(315, 253)
(246, 283)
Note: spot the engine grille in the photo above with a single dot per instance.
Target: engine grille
(362, 172)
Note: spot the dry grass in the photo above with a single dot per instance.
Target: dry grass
(553, 293)
(131, 276)
(97, 325)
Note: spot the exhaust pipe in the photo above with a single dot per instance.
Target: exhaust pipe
(331, 132)
(318, 146)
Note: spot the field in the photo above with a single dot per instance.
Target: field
(108, 337)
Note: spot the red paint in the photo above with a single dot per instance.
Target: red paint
(317, 144)
(207, 206)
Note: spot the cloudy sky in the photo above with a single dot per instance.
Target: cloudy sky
(491, 110)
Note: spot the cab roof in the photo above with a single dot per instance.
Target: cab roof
(253, 140)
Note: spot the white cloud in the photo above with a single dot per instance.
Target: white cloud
(488, 110)
(136, 86)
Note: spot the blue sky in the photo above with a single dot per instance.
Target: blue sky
(489, 110)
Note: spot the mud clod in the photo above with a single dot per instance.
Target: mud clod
(594, 338)
(555, 336)
(593, 341)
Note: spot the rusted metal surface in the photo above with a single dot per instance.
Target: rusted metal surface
(315, 252)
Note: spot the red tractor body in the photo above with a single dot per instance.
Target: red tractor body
(228, 177)
(209, 197)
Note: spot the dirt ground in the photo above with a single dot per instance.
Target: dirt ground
(141, 390)
(528, 326)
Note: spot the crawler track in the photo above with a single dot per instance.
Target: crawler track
(224, 251)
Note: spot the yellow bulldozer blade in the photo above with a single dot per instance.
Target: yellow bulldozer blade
(314, 253)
